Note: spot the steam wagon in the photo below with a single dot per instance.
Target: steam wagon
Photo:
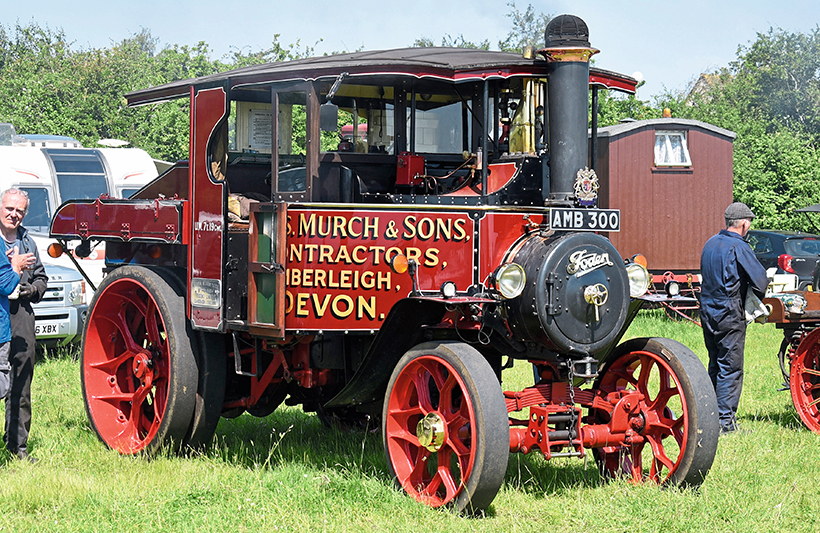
(393, 279)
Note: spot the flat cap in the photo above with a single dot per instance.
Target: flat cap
(737, 211)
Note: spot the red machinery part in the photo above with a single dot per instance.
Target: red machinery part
(784, 261)
(445, 426)
(410, 169)
(138, 364)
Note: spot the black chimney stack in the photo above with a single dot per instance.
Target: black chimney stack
(568, 51)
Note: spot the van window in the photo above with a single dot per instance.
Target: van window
(39, 210)
(80, 173)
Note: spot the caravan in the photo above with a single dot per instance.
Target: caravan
(52, 169)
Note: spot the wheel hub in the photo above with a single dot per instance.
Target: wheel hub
(143, 367)
(430, 432)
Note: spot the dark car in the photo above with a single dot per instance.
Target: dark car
(790, 252)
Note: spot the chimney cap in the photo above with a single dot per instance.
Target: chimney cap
(567, 31)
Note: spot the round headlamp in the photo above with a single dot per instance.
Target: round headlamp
(672, 288)
(638, 279)
(448, 289)
(510, 280)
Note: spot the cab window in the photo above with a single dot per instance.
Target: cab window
(364, 119)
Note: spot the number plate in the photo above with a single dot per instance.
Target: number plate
(46, 328)
(567, 219)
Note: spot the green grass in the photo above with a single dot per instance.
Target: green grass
(289, 473)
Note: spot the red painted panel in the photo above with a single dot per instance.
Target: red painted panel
(207, 199)
(131, 219)
(499, 232)
(500, 175)
(338, 277)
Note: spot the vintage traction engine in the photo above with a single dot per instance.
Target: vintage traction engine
(391, 277)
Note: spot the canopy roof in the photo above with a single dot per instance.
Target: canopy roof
(453, 64)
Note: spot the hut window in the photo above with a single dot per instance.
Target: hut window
(671, 149)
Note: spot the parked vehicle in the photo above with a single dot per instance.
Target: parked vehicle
(54, 168)
(395, 285)
(789, 252)
(60, 315)
(797, 314)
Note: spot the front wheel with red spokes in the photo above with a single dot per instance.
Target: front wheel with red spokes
(804, 380)
(445, 426)
(675, 429)
(139, 374)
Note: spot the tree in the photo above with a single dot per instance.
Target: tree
(46, 87)
(781, 70)
(770, 97)
(527, 29)
(451, 42)
(614, 106)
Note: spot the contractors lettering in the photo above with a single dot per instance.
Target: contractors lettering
(338, 264)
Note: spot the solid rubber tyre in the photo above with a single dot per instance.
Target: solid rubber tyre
(138, 370)
(451, 382)
(210, 354)
(210, 393)
(681, 428)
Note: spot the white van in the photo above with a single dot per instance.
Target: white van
(52, 169)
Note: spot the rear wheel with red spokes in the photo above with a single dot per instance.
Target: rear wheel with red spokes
(676, 425)
(445, 426)
(139, 374)
(804, 380)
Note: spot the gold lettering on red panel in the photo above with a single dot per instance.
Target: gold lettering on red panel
(338, 274)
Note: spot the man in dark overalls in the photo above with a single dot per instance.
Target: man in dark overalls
(729, 269)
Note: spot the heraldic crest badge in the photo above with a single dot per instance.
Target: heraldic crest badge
(586, 187)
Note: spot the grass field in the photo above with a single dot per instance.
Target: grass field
(287, 472)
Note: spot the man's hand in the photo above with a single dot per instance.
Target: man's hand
(26, 291)
(20, 262)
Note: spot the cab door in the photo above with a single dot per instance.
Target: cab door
(294, 165)
(294, 142)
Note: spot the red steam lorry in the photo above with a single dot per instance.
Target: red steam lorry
(392, 281)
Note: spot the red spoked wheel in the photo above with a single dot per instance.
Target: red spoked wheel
(676, 429)
(445, 427)
(139, 374)
(804, 380)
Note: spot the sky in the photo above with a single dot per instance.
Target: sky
(668, 44)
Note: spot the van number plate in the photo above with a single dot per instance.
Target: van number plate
(567, 219)
(47, 328)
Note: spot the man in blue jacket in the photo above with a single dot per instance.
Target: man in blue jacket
(33, 283)
(11, 266)
(729, 269)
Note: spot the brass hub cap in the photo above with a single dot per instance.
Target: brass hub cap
(430, 432)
